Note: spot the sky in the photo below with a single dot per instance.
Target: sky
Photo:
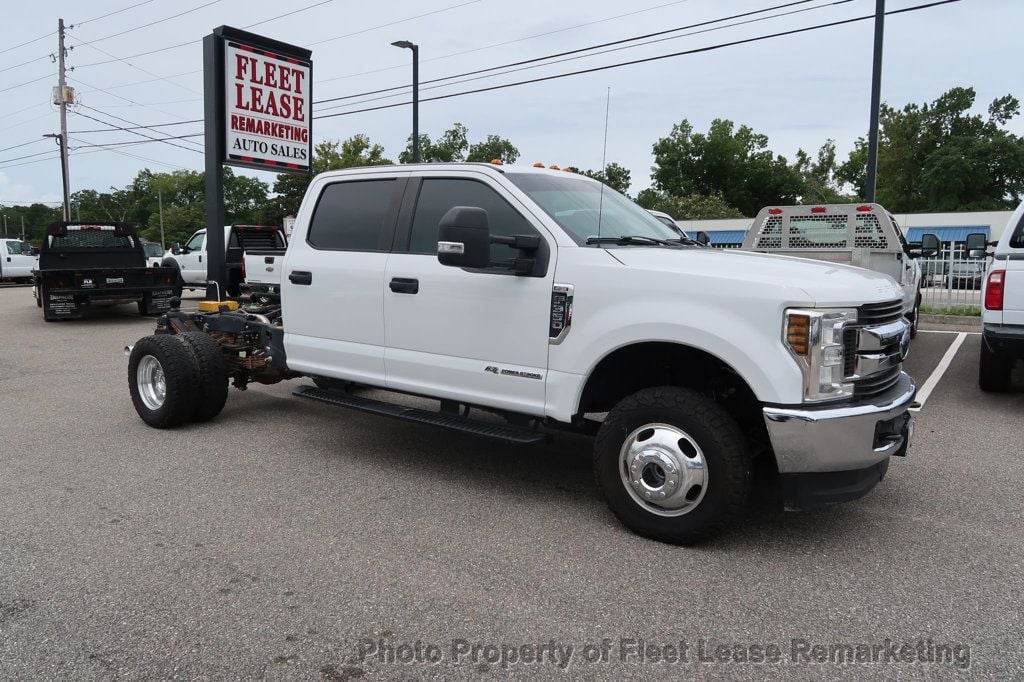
(798, 89)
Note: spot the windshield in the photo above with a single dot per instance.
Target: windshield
(153, 250)
(586, 209)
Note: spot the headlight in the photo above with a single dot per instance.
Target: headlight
(815, 338)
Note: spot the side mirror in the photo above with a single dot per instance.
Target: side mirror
(930, 245)
(702, 238)
(176, 249)
(976, 243)
(464, 238)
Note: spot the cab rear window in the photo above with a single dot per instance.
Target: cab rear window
(1017, 240)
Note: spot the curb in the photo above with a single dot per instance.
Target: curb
(966, 321)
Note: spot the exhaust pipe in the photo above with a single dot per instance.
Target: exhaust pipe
(128, 350)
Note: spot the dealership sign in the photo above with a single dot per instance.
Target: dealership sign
(264, 102)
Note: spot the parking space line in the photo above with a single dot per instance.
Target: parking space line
(940, 369)
(944, 331)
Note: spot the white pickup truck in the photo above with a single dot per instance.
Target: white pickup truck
(524, 300)
(1002, 315)
(864, 235)
(16, 261)
(192, 259)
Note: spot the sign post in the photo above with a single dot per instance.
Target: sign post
(258, 114)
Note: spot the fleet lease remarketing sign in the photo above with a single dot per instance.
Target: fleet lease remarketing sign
(268, 108)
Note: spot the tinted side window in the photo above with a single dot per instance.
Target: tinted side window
(438, 195)
(350, 215)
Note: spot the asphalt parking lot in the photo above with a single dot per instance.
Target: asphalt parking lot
(294, 540)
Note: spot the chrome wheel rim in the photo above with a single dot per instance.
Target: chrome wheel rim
(151, 382)
(663, 469)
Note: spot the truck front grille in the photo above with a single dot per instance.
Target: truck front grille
(870, 316)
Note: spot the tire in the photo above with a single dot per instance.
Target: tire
(38, 295)
(212, 390)
(915, 321)
(180, 378)
(993, 370)
(704, 504)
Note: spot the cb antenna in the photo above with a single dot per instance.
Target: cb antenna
(604, 161)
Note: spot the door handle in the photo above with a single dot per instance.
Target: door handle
(300, 277)
(200, 259)
(404, 285)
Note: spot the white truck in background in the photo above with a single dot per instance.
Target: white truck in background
(192, 259)
(543, 301)
(1002, 315)
(16, 261)
(863, 235)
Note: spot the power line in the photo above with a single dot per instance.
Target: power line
(288, 14)
(23, 144)
(133, 132)
(110, 14)
(507, 42)
(129, 143)
(167, 79)
(394, 23)
(108, 148)
(140, 127)
(27, 42)
(590, 48)
(77, 80)
(27, 156)
(34, 80)
(157, 21)
(25, 63)
(606, 67)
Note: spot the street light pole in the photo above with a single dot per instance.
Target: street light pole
(405, 44)
(876, 96)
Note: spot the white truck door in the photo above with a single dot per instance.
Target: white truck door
(476, 337)
(193, 269)
(332, 284)
(17, 263)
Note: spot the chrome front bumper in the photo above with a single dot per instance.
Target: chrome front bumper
(853, 436)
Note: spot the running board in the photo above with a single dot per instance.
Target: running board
(502, 432)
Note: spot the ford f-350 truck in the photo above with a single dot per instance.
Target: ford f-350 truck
(524, 300)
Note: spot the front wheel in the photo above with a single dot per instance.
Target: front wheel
(673, 465)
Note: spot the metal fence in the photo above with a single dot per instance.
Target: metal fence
(950, 280)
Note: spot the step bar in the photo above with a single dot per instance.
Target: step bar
(503, 432)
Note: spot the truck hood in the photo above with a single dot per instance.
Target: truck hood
(823, 284)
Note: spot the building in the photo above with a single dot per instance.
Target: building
(951, 228)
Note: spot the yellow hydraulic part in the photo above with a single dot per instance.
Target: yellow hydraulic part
(215, 306)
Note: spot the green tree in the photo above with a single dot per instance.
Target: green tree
(940, 157)
(494, 147)
(821, 184)
(450, 147)
(327, 155)
(613, 175)
(732, 162)
(36, 219)
(689, 207)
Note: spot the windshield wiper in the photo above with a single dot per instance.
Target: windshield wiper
(634, 239)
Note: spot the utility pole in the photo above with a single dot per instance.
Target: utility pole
(160, 202)
(876, 96)
(406, 45)
(62, 97)
(5, 224)
(22, 228)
